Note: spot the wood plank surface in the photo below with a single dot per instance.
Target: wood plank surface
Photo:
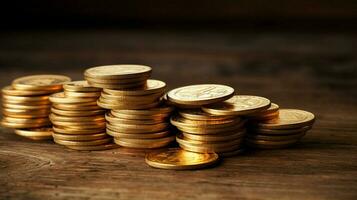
(312, 71)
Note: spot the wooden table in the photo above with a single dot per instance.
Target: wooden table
(316, 72)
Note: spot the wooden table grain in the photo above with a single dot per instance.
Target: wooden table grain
(312, 71)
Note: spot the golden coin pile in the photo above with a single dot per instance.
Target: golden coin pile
(283, 130)
(203, 132)
(137, 117)
(78, 122)
(26, 105)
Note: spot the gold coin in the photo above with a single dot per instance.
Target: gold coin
(137, 99)
(60, 98)
(21, 113)
(152, 86)
(179, 159)
(138, 136)
(264, 117)
(264, 144)
(110, 118)
(182, 122)
(273, 109)
(238, 105)
(203, 149)
(182, 140)
(119, 115)
(26, 107)
(200, 94)
(83, 143)
(288, 119)
(136, 131)
(75, 124)
(27, 121)
(76, 113)
(216, 138)
(80, 137)
(34, 103)
(275, 137)
(82, 94)
(90, 106)
(23, 125)
(140, 127)
(35, 132)
(100, 147)
(117, 86)
(25, 98)
(163, 109)
(40, 82)
(198, 114)
(279, 131)
(9, 90)
(94, 118)
(110, 105)
(142, 78)
(166, 139)
(199, 131)
(151, 145)
(77, 131)
(117, 71)
(79, 86)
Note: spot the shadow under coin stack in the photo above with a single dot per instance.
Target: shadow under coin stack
(136, 118)
(285, 130)
(26, 105)
(202, 132)
(78, 122)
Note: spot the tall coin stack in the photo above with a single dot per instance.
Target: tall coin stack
(78, 122)
(278, 131)
(26, 105)
(137, 118)
(202, 132)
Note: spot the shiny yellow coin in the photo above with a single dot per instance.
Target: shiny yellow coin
(155, 117)
(26, 107)
(24, 125)
(94, 118)
(265, 144)
(82, 94)
(139, 135)
(117, 71)
(100, 147)
(79, 137)
(152, 86)
(296, 136)
(135, 128)
(112, 119)
(216, 137)
(79, 86)
(77, 113)
(288, 119)
(125, 106)
(22, 113)
(83, 143)
(182, 140)
(199, 95)
(238, 105)
(9, 90)
(25, 98)
(273, 109)
(147, 145)
(199, 131)
(117, 86)
(35, 132)
(61, 98)
(198, 114)
(141, 78)
(204, 149)
(40, 82)
(179, 159)
(77, 131)
(90, 106)
(142, 99)
(182, 122)
(27, 121)
(163, 109)
(267, 131)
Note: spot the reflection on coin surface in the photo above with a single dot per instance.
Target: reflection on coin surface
(179, 159)
(200, 94)
(117, 71)
(40, 82)
(238, 105)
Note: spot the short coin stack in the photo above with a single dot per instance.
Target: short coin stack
(26, 105)
(202, 132)
(284, 130)
(137, 118)
(78, 122)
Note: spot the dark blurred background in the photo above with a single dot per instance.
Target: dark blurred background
(239, 42)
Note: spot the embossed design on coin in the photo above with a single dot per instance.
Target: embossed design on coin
(175, 158)
(200, 94)
(238, 105)
(117, 70)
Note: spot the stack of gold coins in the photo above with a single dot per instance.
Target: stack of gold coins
(202, 132)
(137, 119)
(118, 76)
(26, 105)
(78, 122)
(284, 130)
